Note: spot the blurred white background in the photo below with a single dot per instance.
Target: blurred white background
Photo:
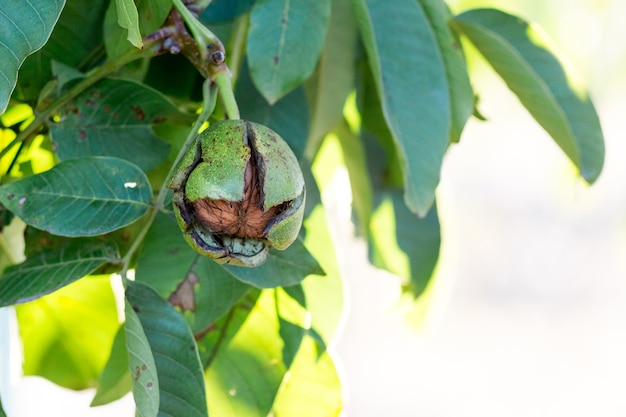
(529, 309)
(529, 314)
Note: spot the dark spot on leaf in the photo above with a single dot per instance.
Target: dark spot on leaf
(283, 21)
(82, 134)
(107, 108)
(137, 372)
(192, 347)
(11, 196)
(139, 114)
(125, 236)
(184, 296)
(144, 367)
(74, 110)
(96, 94)
(276, 59)
(173, 251)
(91, 103)
(159, 120)
(116, 116)
(149, 385)
(136, 308)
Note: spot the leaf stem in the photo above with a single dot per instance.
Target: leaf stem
(201, 33)
(209, 93)
(91, 78)
(222, 79)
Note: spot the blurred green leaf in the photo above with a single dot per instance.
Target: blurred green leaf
(356, 162)
(63, 333)
(24, 28)
(324, 295)
(74, 45)
(180, 374)
(297, 293)
(11, 243)
(285, 40)
(245, 375)
(334, 78)
(115, 118)
(459, 87)
(80, 197)
(292, 322)
(289, 116)
(200, 287)
(128, 18)
(115, 380)
(141, 365)
(517, 53)
(226, 327)
(2, 413)
(410, 77)
(282, 268)
(224, 10)
(49, 270)
(402, 243)
(313, 388)
(399, 241)
(185, 86)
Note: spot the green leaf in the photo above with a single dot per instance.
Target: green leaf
(334, 77)
(47, 271)
(282, 268)
(246, 373)
(141, 365)
(292, 335)
(180, 374)
(201, 288)
(63, 333)
(2, 413)
(411, 81)
(226, 328)
(80, 197)
(402, 243)
(74, 45)
(289, 116)
(324, 295)
(24, 28)
(152, 15)
(115, 118)
(128, 18)
(224, 10)
(517, 53)
(313, 388)
(296, 292)
(356, 162)
(460, 89)
(115, 380)
(399, 241)
(285, 40)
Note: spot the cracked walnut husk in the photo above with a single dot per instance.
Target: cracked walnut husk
(239, 192)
